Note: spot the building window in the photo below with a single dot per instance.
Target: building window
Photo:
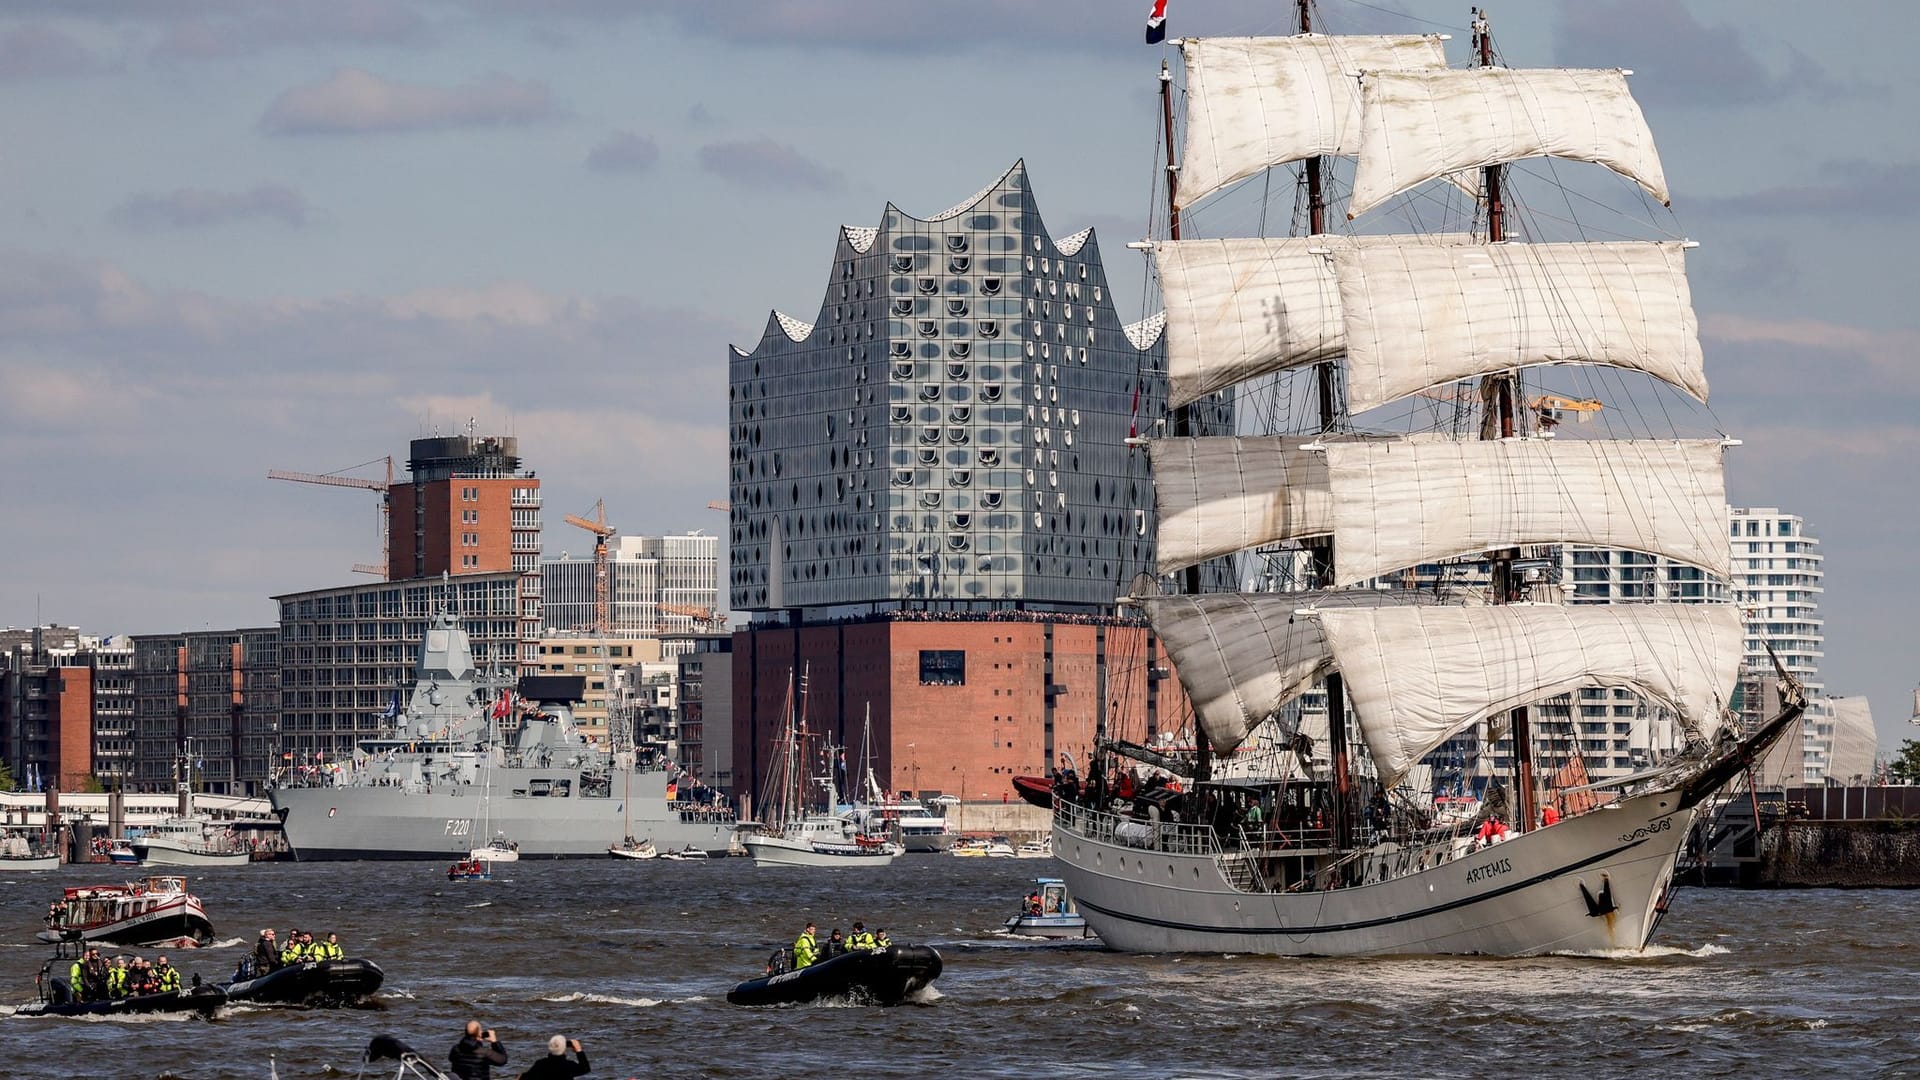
(943, 667)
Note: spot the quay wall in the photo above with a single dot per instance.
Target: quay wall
(1873, 854)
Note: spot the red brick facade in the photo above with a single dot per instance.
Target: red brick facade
(438, 526)
(70, 726)
(967, 739)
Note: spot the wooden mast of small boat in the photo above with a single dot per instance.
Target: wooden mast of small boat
(1182, 416)
(1497, 393)
(1320, 552)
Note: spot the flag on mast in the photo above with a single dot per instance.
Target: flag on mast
(1157, 23)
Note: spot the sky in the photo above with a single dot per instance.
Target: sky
(247, 234)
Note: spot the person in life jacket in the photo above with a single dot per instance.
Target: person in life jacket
(77, 978)
(836, 945)
(328, 950)
(881, 940)
(117, 978)
(805, 949)
(165, 976)
(860, 939)
(292, 952)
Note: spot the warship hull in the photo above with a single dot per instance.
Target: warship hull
(373, 822)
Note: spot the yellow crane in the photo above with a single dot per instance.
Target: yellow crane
(384, 487)
(703, 617)
(1551, 407)
(597, 525)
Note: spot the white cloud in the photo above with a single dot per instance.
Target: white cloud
(354, 101)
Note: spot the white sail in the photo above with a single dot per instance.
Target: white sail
(1417, 676)
(1216, 496)
(1419, 125)
(1398, 503)
(1241, 656)
(1419, 315)
(1257, 102)
(1241, 308)
(1855, 743)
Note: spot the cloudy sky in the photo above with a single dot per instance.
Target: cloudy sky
(245, 234)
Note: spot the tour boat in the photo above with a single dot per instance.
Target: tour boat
(155, 911)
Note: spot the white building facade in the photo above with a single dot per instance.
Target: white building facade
(656, 585)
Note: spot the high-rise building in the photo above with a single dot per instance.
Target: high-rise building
(467, 509)
(656, 585)
(206, 710)
(934, 503)
(1777, 580)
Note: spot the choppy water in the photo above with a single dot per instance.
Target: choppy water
(635, 960)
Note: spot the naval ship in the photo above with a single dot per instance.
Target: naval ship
(443, 779)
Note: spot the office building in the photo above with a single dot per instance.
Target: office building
(206, 710)
(657, 585)
(467, 508)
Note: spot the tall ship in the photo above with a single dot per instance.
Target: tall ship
(1402, 360)
(445, 777)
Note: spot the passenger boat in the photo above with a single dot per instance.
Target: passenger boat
(635, 849)
(1049, 912)
(346, 981)
(795, 833)
(17, 852)
(686, 854)
(870, 977)
(156, 911)
(470, 870)
(188, 841)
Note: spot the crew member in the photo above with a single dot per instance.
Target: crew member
(266, 953)
(805, 949)
(94, 974)
(117, 977)
(477, 1052)
(329, 949)
(861, 939)
(555, 1065)
(165, 976)
(836, 945)
(291, 952)
(77, 977)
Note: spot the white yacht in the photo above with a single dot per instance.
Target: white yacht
(189, 841)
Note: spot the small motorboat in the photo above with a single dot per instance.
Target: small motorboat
(122, 854)
(689, 853)
(56, 996)
(18, 852)
(346, 981)
(634, 849)
(1035, 849)
(157, 911)
(470, 870)
(1049, 912)
(1037, 790)
(871, 977)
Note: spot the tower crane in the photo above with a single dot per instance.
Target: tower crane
(597, 525)
(704, 618)
(384, 487)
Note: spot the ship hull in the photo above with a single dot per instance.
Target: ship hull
(165, 853)
(783, 851)
(346, 823)
(1590, 884)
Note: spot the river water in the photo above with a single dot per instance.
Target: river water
(635, 959)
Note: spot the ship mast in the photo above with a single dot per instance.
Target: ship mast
(1182, 416)
(1321, 553)
(1497, 393)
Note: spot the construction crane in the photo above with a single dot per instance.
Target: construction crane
(703, 617)
(1550, 407)
(721, 505)
(384, 487)
(597, 525)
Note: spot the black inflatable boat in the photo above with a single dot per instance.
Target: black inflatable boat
(880, 977)
(200, 999)
(346, 981)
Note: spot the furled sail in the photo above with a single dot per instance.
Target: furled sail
(1241, 308)
(1420, 315)
(1257, 102)
(1419, 125)
(1417, 676)
(1241, 656)
(1215, 496)
(1401, 502)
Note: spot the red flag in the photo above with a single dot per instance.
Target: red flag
(1157, 23)
(501, 708)
(1133, 424)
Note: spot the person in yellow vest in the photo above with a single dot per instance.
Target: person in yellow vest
(77, 978)
(860, 939)
(293, 952)
(165, 975)
(805, 949)
(881, 940)
(117, 978)
(329, 949)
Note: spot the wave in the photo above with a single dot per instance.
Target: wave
(605, 999)
(1650, 952)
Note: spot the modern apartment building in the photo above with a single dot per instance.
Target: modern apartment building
(657, 585)
(467, 508)
(206, 710)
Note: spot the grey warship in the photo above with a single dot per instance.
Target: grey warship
(443, 778)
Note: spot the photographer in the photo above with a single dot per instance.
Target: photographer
(477, 1052)
(555, 1065)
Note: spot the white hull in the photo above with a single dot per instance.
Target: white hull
(781, 851)
(169, 853)
(1518, 898)
(29, 862)
(492, 854)
(639, 853)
